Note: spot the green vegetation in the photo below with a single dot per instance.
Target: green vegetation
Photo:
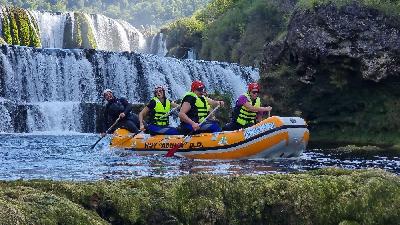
(388, 7)
(18, 29)
(185, 33)
(223, 114)
(83, 35)
(339, 106)
(328, 196)
(228, 30)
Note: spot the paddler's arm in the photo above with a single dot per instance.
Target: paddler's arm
(257, 109)
(142, 114)
(127, 107)
(182, 115)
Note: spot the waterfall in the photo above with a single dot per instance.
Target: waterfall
(51, 28)
(60, 89)
(158, 45)
(54, 116)
(116, 35)
(191, 54)
(57, 30)
(5, 122)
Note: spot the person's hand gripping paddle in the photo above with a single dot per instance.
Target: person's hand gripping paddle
(172, 151)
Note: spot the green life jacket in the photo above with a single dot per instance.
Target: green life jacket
(202, 108)
(159, 112)
(245, 116)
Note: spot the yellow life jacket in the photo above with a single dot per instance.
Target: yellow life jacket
(245, 116)
(159, 112)
(202, 108)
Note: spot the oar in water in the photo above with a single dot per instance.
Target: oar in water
(108, 130)
(172, 151)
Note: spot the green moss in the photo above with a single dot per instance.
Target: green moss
(77, 35)
(23, 23)
(328, 196)
(34, 35)
(83, 36)
(18, 28)
(33, 206)
(6, 28)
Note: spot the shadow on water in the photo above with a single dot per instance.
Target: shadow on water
(69, 157)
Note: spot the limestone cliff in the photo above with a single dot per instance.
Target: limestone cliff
(338, 66)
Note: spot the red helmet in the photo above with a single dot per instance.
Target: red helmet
(197, 85)
(253, 86)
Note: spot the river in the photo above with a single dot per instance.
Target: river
(69, 157)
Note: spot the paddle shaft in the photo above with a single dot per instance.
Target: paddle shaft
(172, 151)
(108, 130)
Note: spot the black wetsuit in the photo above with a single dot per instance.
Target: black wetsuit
(114, 108)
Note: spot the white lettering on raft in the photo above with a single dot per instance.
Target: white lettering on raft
(253, 131)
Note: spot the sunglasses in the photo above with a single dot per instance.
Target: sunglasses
(159, 90)
(255, 92)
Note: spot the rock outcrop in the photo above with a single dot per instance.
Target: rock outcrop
(339, 67)
(361, 34)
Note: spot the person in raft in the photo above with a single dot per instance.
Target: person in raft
(247, 110)
(118, 108)
(195, 107)
(158, 109)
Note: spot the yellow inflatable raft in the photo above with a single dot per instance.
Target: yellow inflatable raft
(271, 138)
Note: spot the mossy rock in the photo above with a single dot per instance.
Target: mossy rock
(18, 27)
(327, 196)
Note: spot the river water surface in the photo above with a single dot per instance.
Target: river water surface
(70, 157)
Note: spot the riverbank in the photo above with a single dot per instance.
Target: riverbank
(328, 196)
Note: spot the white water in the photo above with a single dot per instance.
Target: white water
(158, 45)
(51, 28)
(52, 84)
(109, 34)
(116, 35)
(54, 116)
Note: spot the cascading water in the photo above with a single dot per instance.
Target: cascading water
(51, 26)
(158, 45)
(60, 90)
(191, 54)
(116, 35)
(57, 30)
(5, 122)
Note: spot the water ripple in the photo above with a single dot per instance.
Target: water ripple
(69, 157)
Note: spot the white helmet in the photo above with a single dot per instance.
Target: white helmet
(107, 90)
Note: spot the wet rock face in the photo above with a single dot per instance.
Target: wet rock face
(329, 34)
